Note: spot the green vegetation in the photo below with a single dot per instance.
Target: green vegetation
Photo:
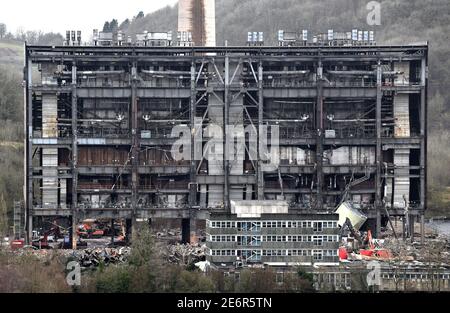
(28, 274)
(11, 133)
(145, 272)
(403, 22)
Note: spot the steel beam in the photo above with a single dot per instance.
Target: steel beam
(135, 147)
(319, 137)
(378, 202)
(193, 163)
(259, 172)
(226, 122)
(74, 156)
(28, 121)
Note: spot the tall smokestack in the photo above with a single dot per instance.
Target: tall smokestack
(199, 18)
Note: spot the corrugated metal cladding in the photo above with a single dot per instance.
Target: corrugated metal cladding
(401, 180)
(49, 156)
(199, 18)
(401, 115)
(352, 155)
(295, 156)
(102, 156)
(50, 178)
(49, 116)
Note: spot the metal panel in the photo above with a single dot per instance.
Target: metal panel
(401, 180)
(63, 193)
(401, 115)
(49, 180)
(352, 156)
(236, 193)
(49, 116)
(215, 196)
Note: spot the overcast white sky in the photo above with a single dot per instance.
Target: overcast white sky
(62, 15)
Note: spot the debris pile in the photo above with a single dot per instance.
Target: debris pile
(168, 234)
(187, 254)
(94, 257)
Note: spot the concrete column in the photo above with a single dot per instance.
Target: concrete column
(422, 229)
(28, 125)
(423, 135)
(134, 149)
(128, 230)
(193, 236)
(193, 161)
(412, 221)
(185, 230)
(403, 228)
(378, 202)
(30, 230)
(74, 157)
(319, 136)
(74, 235)
(260, 173)
(226, 169)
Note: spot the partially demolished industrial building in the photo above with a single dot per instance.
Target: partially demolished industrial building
(311, 123)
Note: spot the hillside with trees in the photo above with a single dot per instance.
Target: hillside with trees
(11, 112)
(402, 22)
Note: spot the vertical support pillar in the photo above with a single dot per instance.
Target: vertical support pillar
(412, 221)
(193, 169)
(422, 229)
(28, 125)
(319, 136)
(226, 119)
(135, 146)
(378, 202)
(260, 173)
(128, 230)
(185, 230)
(74, 157)
(404, 227)
(423, 136)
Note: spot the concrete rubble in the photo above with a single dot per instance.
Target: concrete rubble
(87, 258)
(185, 254)
(94, 257)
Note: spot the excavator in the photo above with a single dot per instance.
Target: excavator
(41, 242)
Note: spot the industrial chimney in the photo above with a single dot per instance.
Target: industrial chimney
(198, 17)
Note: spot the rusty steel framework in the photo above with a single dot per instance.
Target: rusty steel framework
(352, 123)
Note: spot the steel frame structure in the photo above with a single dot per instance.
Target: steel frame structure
(226, 74)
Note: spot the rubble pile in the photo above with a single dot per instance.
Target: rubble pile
(185, 254)
(437, 249)
(94, 257)
(168, 233)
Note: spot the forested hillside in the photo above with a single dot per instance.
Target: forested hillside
(402, 22)
(11, 110)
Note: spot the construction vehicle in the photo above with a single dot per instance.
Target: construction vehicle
(42, 241)
(89, 230)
